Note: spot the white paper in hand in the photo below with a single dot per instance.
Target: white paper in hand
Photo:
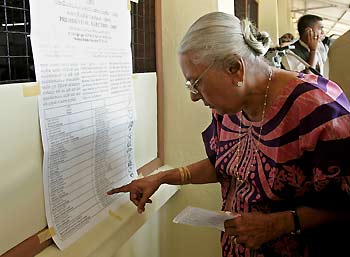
(201, 217)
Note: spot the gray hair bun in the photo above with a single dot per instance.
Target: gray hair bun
(257, 41)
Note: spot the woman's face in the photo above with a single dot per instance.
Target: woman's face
(216, 88)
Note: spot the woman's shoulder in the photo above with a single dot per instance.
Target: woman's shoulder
(316, 90)
(314, 101)
(305, 97)
(322, 90)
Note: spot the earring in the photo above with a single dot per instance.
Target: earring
(239, 84)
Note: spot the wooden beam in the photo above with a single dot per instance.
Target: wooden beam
(314, 8)
(337, 21)
(336, 4)
(325, 17)
(29, 247)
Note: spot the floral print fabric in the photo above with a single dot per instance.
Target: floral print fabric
(296, 156)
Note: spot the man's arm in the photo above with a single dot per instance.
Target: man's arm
(312, 43)
(312, 58)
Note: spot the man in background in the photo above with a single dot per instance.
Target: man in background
(286, 39)
(339, 62)
(309, 46)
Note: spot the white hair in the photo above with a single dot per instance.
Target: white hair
(222, 38)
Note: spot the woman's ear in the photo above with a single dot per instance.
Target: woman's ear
(236, 70)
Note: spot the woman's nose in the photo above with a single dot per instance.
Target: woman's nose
(195, 97)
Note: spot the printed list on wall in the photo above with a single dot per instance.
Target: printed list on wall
(83, 64)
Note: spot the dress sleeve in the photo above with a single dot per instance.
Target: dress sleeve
(211, 138)
(326, 136)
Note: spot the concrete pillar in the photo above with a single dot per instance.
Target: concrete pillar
(227, 6)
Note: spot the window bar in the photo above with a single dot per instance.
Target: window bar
(26, 38)
(135, 35)
(135, 20)
(14, 56)
(7, 43)
(136, 38)
(10, 7)
(12, 81)
(14, 32)
(151, 34)
(144, 34)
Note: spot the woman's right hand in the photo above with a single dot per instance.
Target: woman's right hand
(140, 191)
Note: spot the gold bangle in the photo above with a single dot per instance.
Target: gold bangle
(182, 175)
(188, 175)
(185, 175)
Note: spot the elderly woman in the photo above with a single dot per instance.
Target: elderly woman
(277, 145)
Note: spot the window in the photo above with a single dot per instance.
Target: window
(146, 31)
(143, 36)
(16, 59)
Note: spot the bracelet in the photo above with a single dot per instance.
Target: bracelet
(188, 177)
(297, 227)
(182, 175)
(185, 175)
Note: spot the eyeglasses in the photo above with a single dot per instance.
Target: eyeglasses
(192, 87)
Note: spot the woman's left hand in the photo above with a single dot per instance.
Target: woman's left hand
(255, 228)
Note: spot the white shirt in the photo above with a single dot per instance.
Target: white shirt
(293, 64)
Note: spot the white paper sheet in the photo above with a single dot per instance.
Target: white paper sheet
(204, 218)
(82, 59)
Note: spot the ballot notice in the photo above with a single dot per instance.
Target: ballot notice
(83, 64)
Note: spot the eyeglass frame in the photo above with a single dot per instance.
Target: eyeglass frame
(192, 87)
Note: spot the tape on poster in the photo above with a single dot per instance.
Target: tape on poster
(114, 215)
(32, 89)
(46, 234)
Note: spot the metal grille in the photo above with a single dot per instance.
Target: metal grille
(247, 8)
(143, 36)
(240, 10)
(253, 11)
(16, 59)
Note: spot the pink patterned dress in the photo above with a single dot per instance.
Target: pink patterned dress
(301, 159)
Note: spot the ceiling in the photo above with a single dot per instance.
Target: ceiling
(335, 14)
